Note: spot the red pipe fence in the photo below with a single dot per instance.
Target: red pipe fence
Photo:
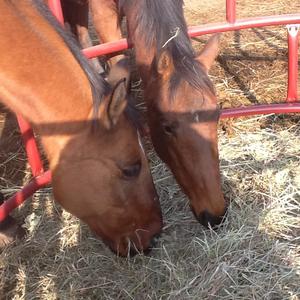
(291, 105)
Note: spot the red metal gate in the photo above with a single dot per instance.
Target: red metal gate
(291, 105)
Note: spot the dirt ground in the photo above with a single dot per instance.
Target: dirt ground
(255, 255)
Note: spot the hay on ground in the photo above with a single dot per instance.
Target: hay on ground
(255, 255)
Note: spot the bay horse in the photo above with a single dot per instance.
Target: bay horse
(99, 170)
(180, 98)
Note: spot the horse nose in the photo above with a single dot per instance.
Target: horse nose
(208, 220)
(140, 241)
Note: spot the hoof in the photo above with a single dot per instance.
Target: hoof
(10, 231)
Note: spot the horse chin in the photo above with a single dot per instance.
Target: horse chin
(127, 248)
(128, 252)
(131, 252)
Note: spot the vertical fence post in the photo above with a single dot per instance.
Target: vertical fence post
(32, 151)
(230, 11)
(293, 37)
(55, 7)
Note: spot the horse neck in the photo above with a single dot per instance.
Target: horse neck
(143, 55)
(40, 78)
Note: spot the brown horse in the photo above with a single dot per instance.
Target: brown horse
(182, 105)
(99, 170)
(78, 24)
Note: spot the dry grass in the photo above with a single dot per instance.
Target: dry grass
(255, 255)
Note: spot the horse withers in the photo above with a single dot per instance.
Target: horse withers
(99, 170)
(181, 101)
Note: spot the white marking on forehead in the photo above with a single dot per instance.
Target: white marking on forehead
(196, 117)
(140, 142)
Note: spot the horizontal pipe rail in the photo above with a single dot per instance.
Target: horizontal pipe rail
(28, 190)
(194, 31)
(245, 24)
(263, 109)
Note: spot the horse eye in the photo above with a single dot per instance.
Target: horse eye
(132, 171)
(168, 130)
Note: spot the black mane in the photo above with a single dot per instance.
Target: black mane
(98, 85)
(158, 21)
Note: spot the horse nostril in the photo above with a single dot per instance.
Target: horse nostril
(207, 219)
(132, 252)
(147, 251)
(154, 240)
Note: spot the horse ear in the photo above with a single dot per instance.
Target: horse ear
(116, 104)
(120, 70)
(165, 64)
(210, 51)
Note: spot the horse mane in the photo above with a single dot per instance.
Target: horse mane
(98, 85)
(162, 24)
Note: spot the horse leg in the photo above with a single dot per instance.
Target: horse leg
(76, 15)
(107, 23)
(9, 229)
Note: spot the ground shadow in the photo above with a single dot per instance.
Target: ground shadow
(12, 154)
